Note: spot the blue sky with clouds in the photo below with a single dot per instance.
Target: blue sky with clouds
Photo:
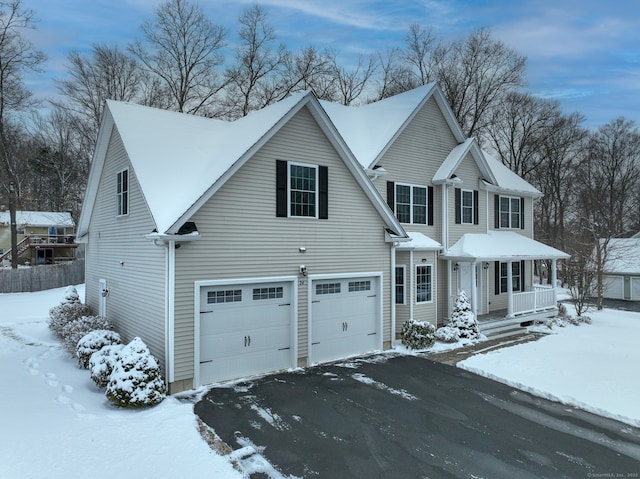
(584, 53)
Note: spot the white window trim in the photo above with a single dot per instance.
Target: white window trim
(510, 226)
(317, 191)
(404, 284)
(118, 194)
(411, 203)
(430, 266)
(462, 207)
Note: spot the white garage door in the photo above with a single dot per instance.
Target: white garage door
(345, 315)
(614, 287)
(245, 329)
(635, 289)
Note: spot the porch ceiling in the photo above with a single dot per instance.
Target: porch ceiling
(500, 246)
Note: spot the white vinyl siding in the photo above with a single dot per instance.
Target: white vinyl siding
(241, 237)
(132, 266)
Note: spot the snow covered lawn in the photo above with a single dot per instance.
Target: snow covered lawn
(593, 367)
(56, 423)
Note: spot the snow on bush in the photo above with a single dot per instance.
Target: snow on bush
(92, 342)
(70, 295)
(463, 319)
(418, 334)
(447, 334)
(102, 362)
(63, 314)
(73, 331)
(135, 380)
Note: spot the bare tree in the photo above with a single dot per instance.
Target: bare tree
(395, 76)
(183, 49)
(419, 43)
(309, 70)
(475, 74)
(253, 80)
(351, 82)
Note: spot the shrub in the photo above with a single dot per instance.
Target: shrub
(447, 334)
(92, 342)
(70, 296)
(102, 362)
(418, 334)
(74, 331)
(65, 313)
(463, 318)
(135, 380)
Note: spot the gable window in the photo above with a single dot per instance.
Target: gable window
(122, 193)
(517, 269)
(423, 284)
(301, 190)
(400, 284)
(411, 204)
(466, 206)
(509, 212)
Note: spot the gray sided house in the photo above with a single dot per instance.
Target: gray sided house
(302, 233)
(236, 248)
(622, 269)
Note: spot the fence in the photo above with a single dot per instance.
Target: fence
(37, 278)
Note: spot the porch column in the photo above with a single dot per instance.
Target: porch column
(509, 290)
(554, 280)
(412, 284)
(474, 290)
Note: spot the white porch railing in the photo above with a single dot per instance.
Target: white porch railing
(542, 297)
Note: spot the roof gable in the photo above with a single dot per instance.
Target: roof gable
(181, 160)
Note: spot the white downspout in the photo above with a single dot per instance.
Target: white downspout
(170, 311)
(393, 295)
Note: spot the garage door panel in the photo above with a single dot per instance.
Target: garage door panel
(245, 329)
(635, 289)
(614, 287)
(345, 318)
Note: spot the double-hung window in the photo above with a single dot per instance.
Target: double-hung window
(516, 277)
(122, 192)
(411, 203)
(303, 190)
(466, 206)
(510, 212)
(424, 284)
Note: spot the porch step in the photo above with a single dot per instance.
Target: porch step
(501, 328)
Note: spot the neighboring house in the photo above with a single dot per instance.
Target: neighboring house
(622, 269)
(302, 233)
(44, 237)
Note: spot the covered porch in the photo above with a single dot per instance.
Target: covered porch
(512, 297)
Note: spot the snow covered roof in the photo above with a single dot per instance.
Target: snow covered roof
(181, 160)
(419, 241)
(623, 256)
(370, 129)
(39, 218)
(497, 177)
(500, 246)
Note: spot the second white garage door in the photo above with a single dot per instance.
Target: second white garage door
(345, 317)
(245, 329)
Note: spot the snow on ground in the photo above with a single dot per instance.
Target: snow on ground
(55, 423)
(593, 367)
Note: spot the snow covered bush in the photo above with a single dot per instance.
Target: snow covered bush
(69, 309)
(447, 334)
(92, 342)
(418, 334)
(102, 362)
(562, 310)
(73, 331)
(463, 319)
(135, 380)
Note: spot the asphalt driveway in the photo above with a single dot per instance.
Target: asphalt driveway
(410, 417)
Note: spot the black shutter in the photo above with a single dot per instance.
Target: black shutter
(521, 213)
(323, 193)
(281, 188)
(391, 195)
(430, 205)
(458, 195)
(497, 268)
(476, 219)
(496, 211)
(522, 283)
